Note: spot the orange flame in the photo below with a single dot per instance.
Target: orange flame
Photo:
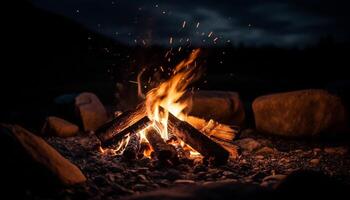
(169, 93)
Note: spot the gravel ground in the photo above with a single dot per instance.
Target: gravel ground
(264, 164)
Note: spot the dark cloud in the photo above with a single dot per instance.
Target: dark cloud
(255, 22)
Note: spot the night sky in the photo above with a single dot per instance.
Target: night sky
(252, 22)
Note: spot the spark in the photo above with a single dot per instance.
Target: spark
(133, 82)
(197, 25)
(211, 33)
(179, 49)
(171, 40)
(167, 53)
(184, 24)
(215, 39)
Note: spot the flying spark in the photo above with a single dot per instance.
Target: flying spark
(184, 24)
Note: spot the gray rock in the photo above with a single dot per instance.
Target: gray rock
(224, 107)
(59, 127)
(265, 151)
(300, 113)
(34, 157)
(91, 111)
(336, 150)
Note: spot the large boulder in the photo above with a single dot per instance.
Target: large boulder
(300, 113)
(59, 127)
(224, 107)
(28, 159)
(91, 111)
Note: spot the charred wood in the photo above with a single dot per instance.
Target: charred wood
(112, 128)
(197, 140)
(163, 151)
(132, 149)
(134, 128)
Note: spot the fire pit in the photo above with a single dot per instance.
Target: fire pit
(161, 124)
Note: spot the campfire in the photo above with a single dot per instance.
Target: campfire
(161, 128)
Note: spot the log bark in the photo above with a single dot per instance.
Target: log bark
(133, 147)
(117, 136)
(112, 128)
(163, 151)
(231, 148)
(197, 140)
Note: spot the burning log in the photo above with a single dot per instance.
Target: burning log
(213, 129)
(219, 133)
(163, 151)
(117, 136)
(181, 152)
(132, 148)
(111, 129)
(198, 141)
(231, 148)
(145, 150)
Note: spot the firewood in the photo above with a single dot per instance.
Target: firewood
(181, 152)
(197, 140)
(134, 128)
(213, 129)
(145, 150)
(111, 129)
(163, 151)
(231, 148)
(132, 149)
